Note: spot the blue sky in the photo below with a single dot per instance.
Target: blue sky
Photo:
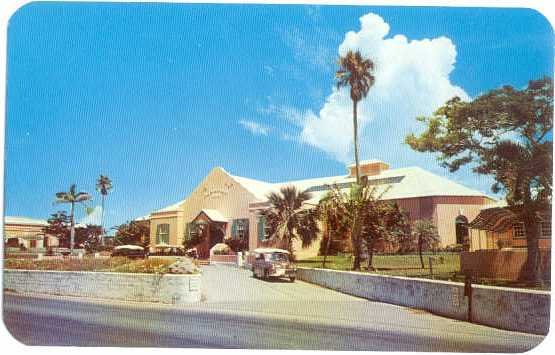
(156, 95)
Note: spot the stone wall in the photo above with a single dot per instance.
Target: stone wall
(167, 288)
(511, 309)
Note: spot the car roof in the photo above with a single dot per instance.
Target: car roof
(270, 250)
(134, 247)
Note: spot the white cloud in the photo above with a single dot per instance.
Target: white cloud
(412, 79)
(254, 127)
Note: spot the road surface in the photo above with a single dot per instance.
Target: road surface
(239, 311)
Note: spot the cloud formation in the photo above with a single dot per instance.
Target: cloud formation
(412, 79)
(254, 127)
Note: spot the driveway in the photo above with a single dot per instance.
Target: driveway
(239, 311)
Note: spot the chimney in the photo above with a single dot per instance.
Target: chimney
(368, 168)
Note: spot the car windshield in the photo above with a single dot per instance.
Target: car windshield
(279, 257)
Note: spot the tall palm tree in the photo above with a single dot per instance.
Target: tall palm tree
(290, 218)
(103, 185)
(72, 197)
(357, 73)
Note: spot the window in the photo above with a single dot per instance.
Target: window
(264, 230)
(240, 229)
(163, 234)
(545, 229)
(519, 231)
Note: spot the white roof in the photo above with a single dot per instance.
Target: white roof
(403, 183)
(143, 218)
(214, 215)
(366, 162)
(129, 246)
(411, 182)
(170, 208)
(24, 220)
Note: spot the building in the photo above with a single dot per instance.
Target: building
(27, 232)
(499, 227)
(228, 206)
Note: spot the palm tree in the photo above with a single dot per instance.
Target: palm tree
(425, 233)
(103, 185)
(290, 218)
(357, 73)
(72, 197)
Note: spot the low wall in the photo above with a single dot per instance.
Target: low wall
(167, 288)
(223, 259)
(502, 264)
(511, 309)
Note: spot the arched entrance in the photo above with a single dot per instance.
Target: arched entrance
(461, 229)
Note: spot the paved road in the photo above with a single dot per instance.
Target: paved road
(241, 312)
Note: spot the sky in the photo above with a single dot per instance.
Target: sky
(156, 95)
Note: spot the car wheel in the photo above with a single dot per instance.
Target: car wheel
(292, 279)
(254, 274)
(265, 274)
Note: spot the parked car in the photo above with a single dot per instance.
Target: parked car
(130, 251)
(273, 263)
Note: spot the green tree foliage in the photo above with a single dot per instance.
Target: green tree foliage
(59, 226)
(356, 73)
(290, 219)
(72, 197)
(506, 133)
(379, 222)
(134, 233)
(425, 236)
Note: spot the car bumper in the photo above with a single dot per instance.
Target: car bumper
(283, 272)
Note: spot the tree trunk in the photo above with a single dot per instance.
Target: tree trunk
(290, 243)
(370, 256)
(355, 140)
(72, 228)
(102, 222)
(327, 248)
(420, 252)
(355, 238)
(531, 271)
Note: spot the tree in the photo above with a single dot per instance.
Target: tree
(72, 197)
(335, 225)
(57, 226)
(88, 237)
(508, 134)
(426, 236)
(357, 73)
(289, 218)
(362, 203)
(103, 185)
(134, 232)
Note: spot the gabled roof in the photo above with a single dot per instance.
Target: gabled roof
(214, 215)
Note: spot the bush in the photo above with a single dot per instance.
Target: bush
(453, 248)
(237, 245)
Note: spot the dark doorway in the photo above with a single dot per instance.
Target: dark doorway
(461, 229)
(217, 233)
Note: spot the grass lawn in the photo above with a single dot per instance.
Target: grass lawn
(117, 264)
(444, 265)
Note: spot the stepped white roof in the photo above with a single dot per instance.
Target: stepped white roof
(24, 220)
(392, 184)
(400, 183)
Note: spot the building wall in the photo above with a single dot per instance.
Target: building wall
(218, 191)
(443, 210)
(21, 231)
(169, 218)
(481, 239)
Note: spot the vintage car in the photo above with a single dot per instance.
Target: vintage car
(271, 262)
(130, 251)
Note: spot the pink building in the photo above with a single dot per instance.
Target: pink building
(229, 206)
